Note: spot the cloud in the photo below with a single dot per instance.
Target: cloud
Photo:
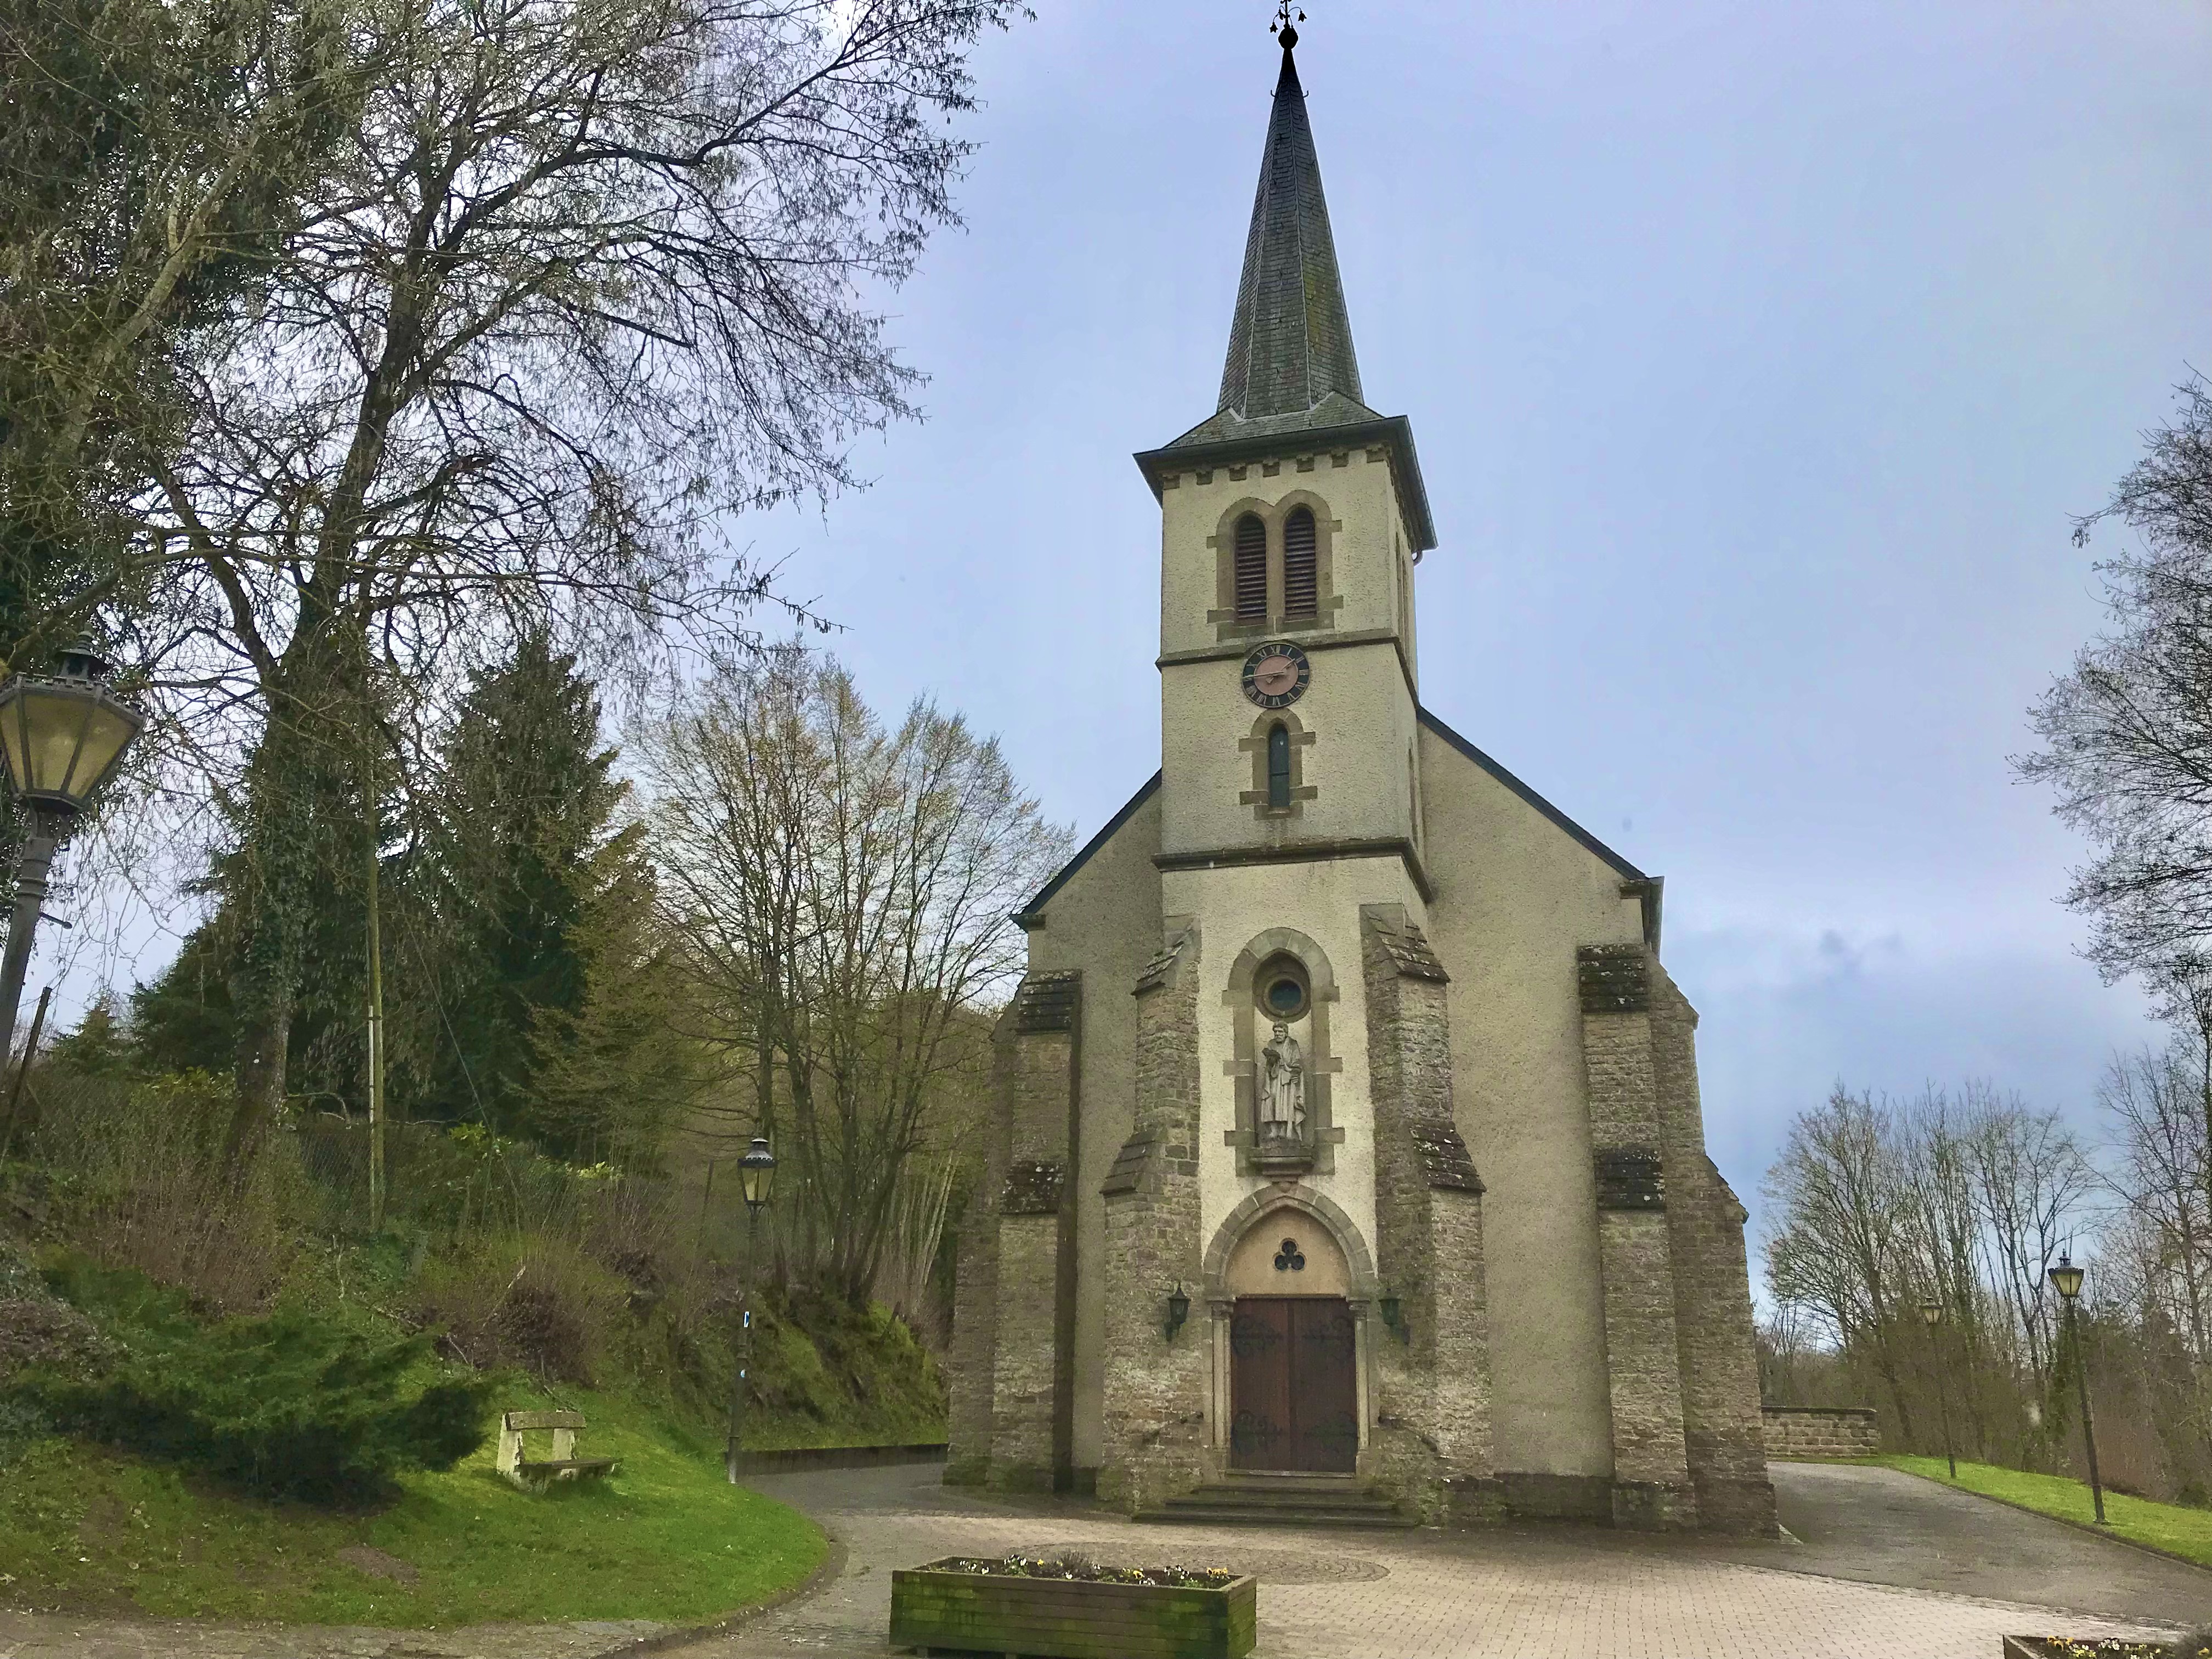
(1784, 1015)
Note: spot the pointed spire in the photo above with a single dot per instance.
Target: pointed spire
(1290, 346)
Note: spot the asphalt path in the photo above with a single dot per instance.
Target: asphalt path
(1882, 1527)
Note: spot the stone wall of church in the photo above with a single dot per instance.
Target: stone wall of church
(1515, 895)
(1105, 922)
(1013, 1375)
(1431, 1442)
(1650, 1475)
(1155, 1438)
(1722, 1431)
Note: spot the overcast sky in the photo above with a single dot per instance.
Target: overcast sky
(1757, 355)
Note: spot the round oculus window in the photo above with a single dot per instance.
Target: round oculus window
(1283, 995)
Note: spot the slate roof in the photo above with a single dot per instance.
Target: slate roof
(1291, 380)
(1291, 364)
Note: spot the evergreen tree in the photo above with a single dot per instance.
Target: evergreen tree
(524, 928)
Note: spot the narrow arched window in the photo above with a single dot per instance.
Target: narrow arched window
(1279, 767)
(1251, 569)
(1301, 569)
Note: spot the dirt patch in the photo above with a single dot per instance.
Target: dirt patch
(377, 1564)
(107, 1520)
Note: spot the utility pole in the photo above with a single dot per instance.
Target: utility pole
(372, 803)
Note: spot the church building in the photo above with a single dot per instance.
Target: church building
(1346, 1147)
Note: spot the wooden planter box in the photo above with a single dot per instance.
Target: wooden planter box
(935, 1611)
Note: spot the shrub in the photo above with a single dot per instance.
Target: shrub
(296, 1404)
(142, 1181)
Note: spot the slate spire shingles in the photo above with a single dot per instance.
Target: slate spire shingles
(1291, 343)
(1291, 383)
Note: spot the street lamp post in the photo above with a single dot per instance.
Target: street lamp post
(1931, 1315)
(63, 737)
(2067, 1278)
(756, 1179)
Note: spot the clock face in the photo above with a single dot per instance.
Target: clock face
(1276, 675)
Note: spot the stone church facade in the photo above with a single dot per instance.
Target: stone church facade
(1342, 1043)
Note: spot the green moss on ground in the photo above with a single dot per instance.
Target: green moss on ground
(87, 1530)
(2183, 1532)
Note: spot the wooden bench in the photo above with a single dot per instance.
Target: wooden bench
(563, 1465)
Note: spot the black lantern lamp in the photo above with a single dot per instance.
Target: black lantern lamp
(2066, 1279)
(1931, 1315)
(1393, 1315)
(757, 1181)
(1178, 1309)
(62, 738)
(756, 1175)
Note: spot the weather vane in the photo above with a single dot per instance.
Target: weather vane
(1282, 23)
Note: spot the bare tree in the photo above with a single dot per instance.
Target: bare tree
(843, 894)
(2030, 1183)
(2128, 731)
(1840, 1240)
(154, 156)
(2158, 1173)
(583, 276)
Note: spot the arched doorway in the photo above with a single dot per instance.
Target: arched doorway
(1293, 1349)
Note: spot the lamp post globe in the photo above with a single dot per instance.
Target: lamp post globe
(756, 1174)
(63, 737)
(1931, 1313)
(2066, 1279)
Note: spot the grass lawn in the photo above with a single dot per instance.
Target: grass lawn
(2185, 1532)
(666, 1539)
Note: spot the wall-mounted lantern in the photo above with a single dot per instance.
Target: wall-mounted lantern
(1393, 1316)
(1178, 1310)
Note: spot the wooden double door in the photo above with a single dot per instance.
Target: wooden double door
(1294, 1387)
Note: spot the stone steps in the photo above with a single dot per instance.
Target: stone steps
(1287, 1500)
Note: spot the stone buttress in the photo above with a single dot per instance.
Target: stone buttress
(1723, 1428)
(1155, 1442)
(1432, 1444)
(1680, 1359)
(1013, 1337)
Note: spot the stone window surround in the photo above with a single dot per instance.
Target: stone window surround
(1241, 998)
(1256, 746)
(1274, 515)
(1254, 1210)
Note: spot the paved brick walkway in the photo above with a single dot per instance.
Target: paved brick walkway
(1528, 1594)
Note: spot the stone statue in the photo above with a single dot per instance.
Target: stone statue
(1283, 1088)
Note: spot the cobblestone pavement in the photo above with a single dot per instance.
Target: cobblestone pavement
(1889, 1565)
(1530, 1593)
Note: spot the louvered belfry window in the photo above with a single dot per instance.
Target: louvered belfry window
(1301, 569)
(1251, 569)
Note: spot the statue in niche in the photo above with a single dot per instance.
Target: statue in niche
(1282, 1088)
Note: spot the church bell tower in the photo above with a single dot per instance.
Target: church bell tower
(1331, 1014)
(1291, 519)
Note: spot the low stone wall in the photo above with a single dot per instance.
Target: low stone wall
(1817, 1431)
(837, 1457)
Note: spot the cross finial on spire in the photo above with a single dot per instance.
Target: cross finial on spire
(1284, 27)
